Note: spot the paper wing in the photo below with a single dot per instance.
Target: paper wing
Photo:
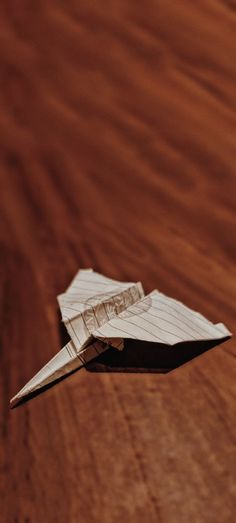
(160, 319)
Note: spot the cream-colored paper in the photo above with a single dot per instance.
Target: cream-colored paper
(99, 312)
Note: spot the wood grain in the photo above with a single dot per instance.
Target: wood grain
(117, 139)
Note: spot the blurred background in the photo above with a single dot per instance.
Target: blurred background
(117, 140)
(117, 122)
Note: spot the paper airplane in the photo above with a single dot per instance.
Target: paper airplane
(99, 313)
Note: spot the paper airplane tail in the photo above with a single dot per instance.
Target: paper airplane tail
(64, 362)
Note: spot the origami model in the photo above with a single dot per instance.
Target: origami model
(99, 313)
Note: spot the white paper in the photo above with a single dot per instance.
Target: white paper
(99, 312)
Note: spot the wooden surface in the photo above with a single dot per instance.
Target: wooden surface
(117, 146)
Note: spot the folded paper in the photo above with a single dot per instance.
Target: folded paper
(99, 313)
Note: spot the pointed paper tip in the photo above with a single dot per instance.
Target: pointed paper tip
(16, 400)
(62, 364)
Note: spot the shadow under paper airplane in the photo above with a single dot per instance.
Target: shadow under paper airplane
(139, 357)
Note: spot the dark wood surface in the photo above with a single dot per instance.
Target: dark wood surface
(118, 153)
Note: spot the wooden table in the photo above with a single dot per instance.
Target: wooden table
(118, 153)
